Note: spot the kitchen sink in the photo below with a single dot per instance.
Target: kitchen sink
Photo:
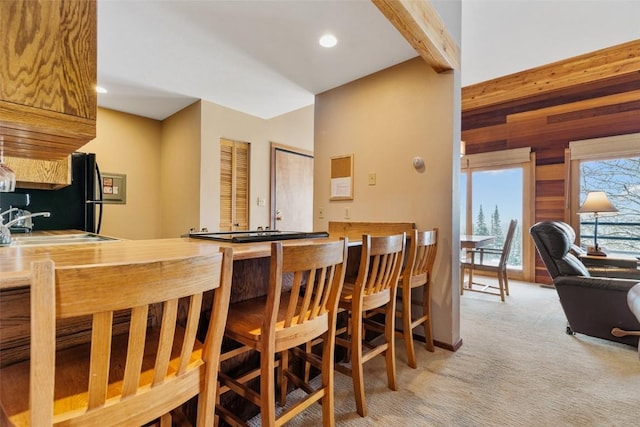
(59, 239)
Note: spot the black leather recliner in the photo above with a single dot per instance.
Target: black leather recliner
(593, 305)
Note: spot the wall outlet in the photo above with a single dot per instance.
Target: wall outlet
(261, 201)
(320, 213)
(347, 213)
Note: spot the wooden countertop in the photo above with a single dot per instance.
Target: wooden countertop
(15, 261)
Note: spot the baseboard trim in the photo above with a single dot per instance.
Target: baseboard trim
(440, 344)
(449, 347)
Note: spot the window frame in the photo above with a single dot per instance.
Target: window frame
(606, 148)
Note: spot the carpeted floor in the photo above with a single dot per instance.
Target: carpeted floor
(517, 367)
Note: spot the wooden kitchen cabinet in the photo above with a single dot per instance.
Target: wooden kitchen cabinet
(41, 174)
(48, 75)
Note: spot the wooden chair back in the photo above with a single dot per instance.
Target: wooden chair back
(380, 265)
(120, 380)
(508, 241)
(420, 258)
(317, 273)
(355, 229)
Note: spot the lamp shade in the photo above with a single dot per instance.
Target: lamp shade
(597, 202)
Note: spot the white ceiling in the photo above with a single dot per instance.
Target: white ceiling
(262, 57)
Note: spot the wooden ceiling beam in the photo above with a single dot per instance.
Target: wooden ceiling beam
(616, 61)
(420, 24)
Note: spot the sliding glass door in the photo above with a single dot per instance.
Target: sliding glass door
(496, 188)
(496, 199)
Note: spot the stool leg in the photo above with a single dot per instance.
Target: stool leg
(356, 361)
(165, 420)
(390, 353)
(328, 405)
(426, 310)
(282, 377)
(308, 348)
(506, 282)
(407, 332)
(267, 388)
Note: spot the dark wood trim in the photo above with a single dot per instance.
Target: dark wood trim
(449, 347)
(444, 345)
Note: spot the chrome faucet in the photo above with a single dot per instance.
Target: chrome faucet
(33, 215)
(5, 233)
(8, 211)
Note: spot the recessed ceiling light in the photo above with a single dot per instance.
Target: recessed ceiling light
(100, 89)
(328, 40)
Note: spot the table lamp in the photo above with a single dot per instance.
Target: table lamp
(596, 203)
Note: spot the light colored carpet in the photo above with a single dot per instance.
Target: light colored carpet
(516, 367)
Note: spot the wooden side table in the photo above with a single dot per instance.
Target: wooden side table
(615, 265)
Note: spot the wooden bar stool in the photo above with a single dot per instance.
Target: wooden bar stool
(417, 273)
(283, 320)
(375, 286)
(128, 379)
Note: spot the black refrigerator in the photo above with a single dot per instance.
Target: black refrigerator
(77, 206)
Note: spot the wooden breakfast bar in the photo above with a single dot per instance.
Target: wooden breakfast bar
(250, 279)
(251, 264)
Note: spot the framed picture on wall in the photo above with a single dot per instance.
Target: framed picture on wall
(342, 177)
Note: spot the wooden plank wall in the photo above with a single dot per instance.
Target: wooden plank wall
(549, 106)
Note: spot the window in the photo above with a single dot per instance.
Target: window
(611, 165)
(620, 180)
